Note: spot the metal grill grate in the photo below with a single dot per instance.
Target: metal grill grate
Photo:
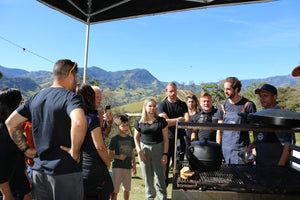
(275, 176)
(245, 178)
(223, 176)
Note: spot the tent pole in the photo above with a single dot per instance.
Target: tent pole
(86, 50)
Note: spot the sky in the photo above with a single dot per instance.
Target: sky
(249, 41)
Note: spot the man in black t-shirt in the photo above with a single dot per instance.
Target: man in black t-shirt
(58, 129)
(173, 109)
(207, 114)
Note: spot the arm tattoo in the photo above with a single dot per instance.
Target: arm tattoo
(18, 138)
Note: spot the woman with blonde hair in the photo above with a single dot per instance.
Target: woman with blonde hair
(152, 144)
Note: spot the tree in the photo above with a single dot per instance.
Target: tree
(249, 93)
(89, 80)
(181, 86)
(1, 75)
(287, 97)
(107, 98)
(193, 86)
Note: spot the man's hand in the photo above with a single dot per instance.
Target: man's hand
(74, 155)
(193, 136)
(108, 117)
(164, 160)
(30, 153)
(134, 169)
(122, 157)
(182, 119)
(164, 115)
(250, 148)
(142, 156)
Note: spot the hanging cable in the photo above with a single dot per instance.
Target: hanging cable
(24, 49)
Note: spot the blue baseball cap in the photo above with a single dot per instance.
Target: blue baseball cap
(268, 88)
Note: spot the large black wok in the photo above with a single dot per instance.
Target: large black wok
(275, 117)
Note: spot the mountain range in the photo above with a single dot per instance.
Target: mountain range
(128, 85)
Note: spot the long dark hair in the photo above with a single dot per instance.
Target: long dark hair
(88, 96)
(192, 96)
(10, 99)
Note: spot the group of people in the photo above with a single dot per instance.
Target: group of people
(69, 156)
(155, 131)
(269, 148)
(71, 160)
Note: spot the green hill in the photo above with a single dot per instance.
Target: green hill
(27, 86)
(120, 87)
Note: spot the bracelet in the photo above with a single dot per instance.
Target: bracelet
(26, 148)
(166, 154)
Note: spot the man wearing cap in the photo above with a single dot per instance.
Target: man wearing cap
(271, 148)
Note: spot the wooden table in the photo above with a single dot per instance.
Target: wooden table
(130, 116)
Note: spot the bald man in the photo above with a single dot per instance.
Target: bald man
(102, 116)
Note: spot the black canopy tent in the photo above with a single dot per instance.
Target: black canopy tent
(97, 11)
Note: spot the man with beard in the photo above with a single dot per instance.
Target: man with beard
(173, 109)
(233, 141)
(58, 130)
(207, 114)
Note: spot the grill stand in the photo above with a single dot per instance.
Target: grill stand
(192, 190)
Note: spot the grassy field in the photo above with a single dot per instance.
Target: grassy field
(138, 186)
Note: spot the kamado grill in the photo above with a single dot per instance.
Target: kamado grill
(232, 181)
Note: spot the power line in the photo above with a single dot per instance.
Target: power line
(24, 49)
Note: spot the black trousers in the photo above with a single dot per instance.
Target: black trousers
(180, 155)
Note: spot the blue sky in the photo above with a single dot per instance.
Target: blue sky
(248, 41)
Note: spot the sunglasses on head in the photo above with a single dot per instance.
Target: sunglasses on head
(72, 68)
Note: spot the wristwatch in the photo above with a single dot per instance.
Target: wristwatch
(27, 147)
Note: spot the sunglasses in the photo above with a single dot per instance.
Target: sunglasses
(72, 68)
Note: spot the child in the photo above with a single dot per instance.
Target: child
(121, 148)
